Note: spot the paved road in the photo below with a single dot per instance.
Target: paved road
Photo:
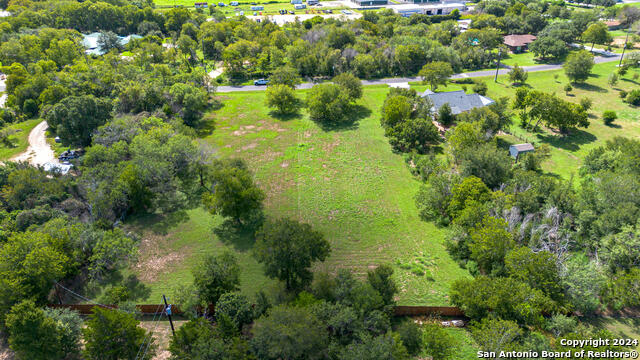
(389, 81)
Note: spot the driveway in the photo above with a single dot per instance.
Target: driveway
(390, 81)
(39, 151)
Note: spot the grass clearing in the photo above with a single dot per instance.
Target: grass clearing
(346, 182)
(20, 139)
(625, 328)
(270, 7)
(568, 151)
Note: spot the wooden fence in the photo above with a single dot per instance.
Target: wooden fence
(150, 309)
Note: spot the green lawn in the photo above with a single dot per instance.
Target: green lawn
(346, 182)
(568, 151)
(625, 328)
(20, 139)
(270, 6)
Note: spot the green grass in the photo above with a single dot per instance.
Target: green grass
(625, 328)
(346, 182)
(270, 6)
(20, 139)
(568, 151)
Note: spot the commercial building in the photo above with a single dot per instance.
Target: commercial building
(430, 8)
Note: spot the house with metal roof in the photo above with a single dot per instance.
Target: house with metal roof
(518, 149)
(458, 100)
(90, 42)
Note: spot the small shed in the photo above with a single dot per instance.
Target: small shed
(518, 149)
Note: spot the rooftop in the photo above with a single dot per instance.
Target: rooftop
(522, 147)
(458, 100)
(519, 40)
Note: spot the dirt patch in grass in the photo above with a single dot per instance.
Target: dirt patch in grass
(153, 261)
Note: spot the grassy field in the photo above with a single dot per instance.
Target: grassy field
(568, 151)
(270, 6)
(625, 328)
(345, 181)
(20, 139)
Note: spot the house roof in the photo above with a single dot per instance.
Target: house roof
(518, 40)
(522, 147)
(458, 100)
(612, 23)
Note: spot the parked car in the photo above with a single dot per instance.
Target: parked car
(70, 155)
(234, 3)
(221, 4)
(292, 12)
(261, 82)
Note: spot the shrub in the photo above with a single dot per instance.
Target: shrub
(411, 336)
(633, 97)
(568, 88)
(613, 79)
(623, 94)
(622, 70)
(609, 117)
(636, 76)
(586, 103)
(480, 88)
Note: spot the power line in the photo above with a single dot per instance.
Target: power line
(90, 301)
(150, 334)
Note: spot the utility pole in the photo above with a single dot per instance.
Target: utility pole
(167, 309)
(498, 67)
(624, 48)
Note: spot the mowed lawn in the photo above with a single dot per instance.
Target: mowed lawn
(345, 181)
(568, 151)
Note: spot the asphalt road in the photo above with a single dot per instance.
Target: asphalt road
(388, 81)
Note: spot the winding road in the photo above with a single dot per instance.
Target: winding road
(39, 151)
(397, 80)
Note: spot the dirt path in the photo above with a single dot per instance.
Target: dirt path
(39, 151)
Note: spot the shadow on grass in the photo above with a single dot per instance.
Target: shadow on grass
(614, 126)
(571, 142)
(285, 117)
(629, 80)
(160, 223)
(355, 113)
(589, 87)
(241, 236)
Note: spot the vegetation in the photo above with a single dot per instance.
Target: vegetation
(292, 211)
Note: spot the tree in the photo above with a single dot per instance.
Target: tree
(232, 192)
(215, 276)
(289, 333)
(621, 251)
(283, 98)
(37, 334)
(436, 73)
(285, 75)
(438, 343)
(633, 97)
(609, 116)
(30, 263)
(487, 162)
(234, 309)
(445, 115)
(412, 337)
(578, 66)
(328, 104)
(538, 269)
(470, 190)
(350, 84)
(495, 335)
(583, 280)
(383, 347)
(189, 102)
(567, 89)
(505, 298)
(287, 249)
(597, 33)
(115, 335)
(490, 243)
(108, 40)
(549, 46)
(623, 289)
(75, 118)
(380, 279)
(518, 75)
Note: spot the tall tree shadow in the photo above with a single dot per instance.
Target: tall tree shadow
(571, 142)
(240, 236)
(285, 117)
(589, 87)
(354, 114)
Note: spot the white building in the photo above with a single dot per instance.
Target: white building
(446, 8)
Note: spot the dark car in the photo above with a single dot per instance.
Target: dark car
(70, 155)
(292, 12)
(261, 82)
